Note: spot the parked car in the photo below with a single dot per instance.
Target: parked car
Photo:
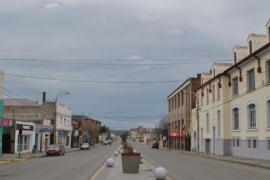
(106, 142)
(155, 145)
(85, 146)
(55, 149)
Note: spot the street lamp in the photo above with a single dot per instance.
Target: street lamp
(64, 93)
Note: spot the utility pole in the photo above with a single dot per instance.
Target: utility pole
(198, 122)
(198, 127)
(55, 117)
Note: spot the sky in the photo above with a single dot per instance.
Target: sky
(118, 59)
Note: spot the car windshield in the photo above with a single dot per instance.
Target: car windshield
(54, 146)
(85, 144)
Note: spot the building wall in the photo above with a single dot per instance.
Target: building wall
(259, 97)
(1, 107)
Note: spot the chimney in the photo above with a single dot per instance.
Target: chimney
(44, 97)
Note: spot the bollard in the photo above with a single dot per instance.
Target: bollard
(160, 173)
(134, 151)
(116, 153)
(110, 162)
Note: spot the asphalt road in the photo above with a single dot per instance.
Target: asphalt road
(188, 167)
(79, 165)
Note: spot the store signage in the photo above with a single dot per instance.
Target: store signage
(60, 133)
(6, 123)
(44, 128)
(25, 127)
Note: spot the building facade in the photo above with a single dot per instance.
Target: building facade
(1, 109)
(180, 104)
(235, 118)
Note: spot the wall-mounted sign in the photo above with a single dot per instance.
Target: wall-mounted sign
(60, 133)
(25, 127)
(6, 123)
(44, 128)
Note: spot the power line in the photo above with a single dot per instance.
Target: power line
(123, 62)
(91, 81)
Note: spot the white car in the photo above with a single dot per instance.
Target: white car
(85, 146)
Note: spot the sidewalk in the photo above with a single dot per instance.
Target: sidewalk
(10, 158)
(234, 159)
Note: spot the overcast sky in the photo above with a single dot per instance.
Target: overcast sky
(119, 59)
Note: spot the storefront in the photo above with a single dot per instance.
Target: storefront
(42, 137)
(63, 137)
(179, 140)
(24, 137)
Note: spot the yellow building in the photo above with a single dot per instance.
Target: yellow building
(235, 103)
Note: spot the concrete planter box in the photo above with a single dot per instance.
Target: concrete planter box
(131, 162)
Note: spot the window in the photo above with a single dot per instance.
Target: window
(179, 100)
(252, 116)
(235, 119)
(172, 103)
(201, 101)
(233, 142)
(182, 98)
(235, 86)
(250, 47)
(251, 79)
(249, 143)
(252, 142)
(237, 142)
(268, 71)
(213, 94)
(207, 97)
(268, 113)
(207, 122)
(269, 34)
(218, 123)
(218, 92)
(234, 57)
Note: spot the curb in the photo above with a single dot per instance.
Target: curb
(12, 161)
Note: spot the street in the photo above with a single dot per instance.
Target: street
(187, 167)
(82, 165)
(79, 165)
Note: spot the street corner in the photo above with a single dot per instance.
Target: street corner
(12, 161)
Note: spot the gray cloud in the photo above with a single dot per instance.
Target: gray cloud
(120, 41)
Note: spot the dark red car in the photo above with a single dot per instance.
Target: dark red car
(155, 145)
(55, 149)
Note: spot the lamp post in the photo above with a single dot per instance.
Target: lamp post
(198, 123)
(64, 93)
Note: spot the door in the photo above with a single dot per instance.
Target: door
(36, 142)
(214, 140)
(207, 146)
(6, 143)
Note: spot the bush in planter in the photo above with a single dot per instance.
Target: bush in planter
(130, 160)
